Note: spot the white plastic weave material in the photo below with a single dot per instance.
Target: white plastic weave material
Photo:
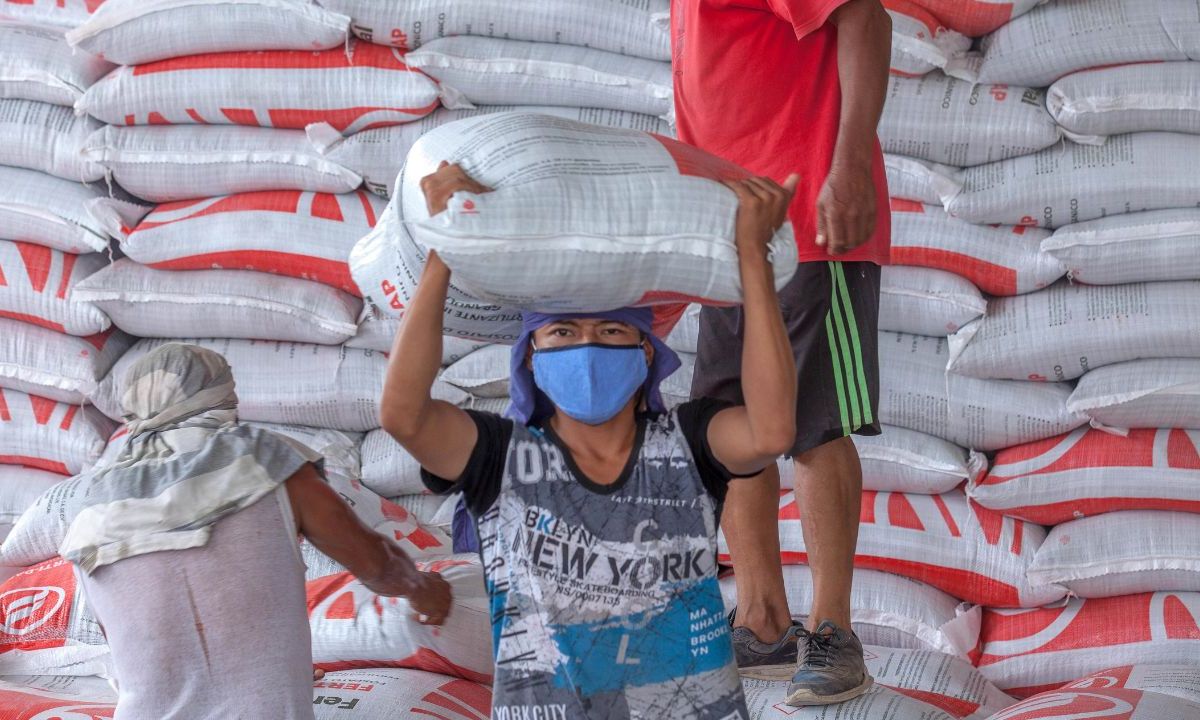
(53, 365)
(918, 394)
(1028, 651)
(946, 120)
(925, 301)
(888, 610)
(902, 460)
(130, 32)
(492, 71)
(921, 181)
(1138, 247)
(57, 213)
(920, 43)
(387, 468)
(37, 64)
(47, 628)
(47, 138)
(1131, 98)
(628, 27)
(483, 373)
(1133, 692)
(1141, 394)
(161, 164)
(1090, 472)
(378, 155)
(1001, 260)
(20, 487)
(220, 303)
(59, 13)
(978, 17)
(766, 701)
(1063, 185)
(56, 695)
(36, 283)
(352, 89)
(41, 433)
(384, 693)
(283, 232)
(1122, 553)
(1066, 330)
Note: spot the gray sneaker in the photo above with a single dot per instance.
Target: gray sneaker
(758, 660)
(831, 668)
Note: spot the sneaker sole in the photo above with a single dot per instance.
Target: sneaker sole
(771, 673)
(807, 698)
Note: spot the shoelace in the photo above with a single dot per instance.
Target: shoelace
(820, 648)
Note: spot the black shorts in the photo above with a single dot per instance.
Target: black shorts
(831, 311)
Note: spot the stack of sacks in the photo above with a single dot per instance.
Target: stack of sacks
(63, 14)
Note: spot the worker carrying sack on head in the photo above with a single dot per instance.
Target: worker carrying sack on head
(187, 551)
(597, 510)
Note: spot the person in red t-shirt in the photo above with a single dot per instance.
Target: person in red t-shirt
(783, 86)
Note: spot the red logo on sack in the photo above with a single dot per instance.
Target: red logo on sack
(27, 609)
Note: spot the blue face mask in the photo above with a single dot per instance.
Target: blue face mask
(590, 383)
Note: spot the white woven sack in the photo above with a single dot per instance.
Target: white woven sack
(60, 13)
(430, 510)
(283, 232)
(945, 120)
(1138, 247)
(1029, 651)
(918, 394)
(339, 449)
(130, 32)
(220, 303)
(36, 285)
(378, 155)
(639, 28)
(57, 696)
(1131, 692)
(47, 138)
(921, 181)
(50, 364)
(656, 226)
(1122, 553)
(291, 383)
(685, 336)
(20, 487)
(1089, 472)
(389, 469)
(1125, 99)
(978, 17)
(1000, 260)
(384, 694)
(492, 71)
(765, 700)
(920, 43)
(377, 331)
(925, 301)
(37, 64)
(888, 610)
(900, 460)
(61, 214)
(161, 164)
(1060, 38)
(47, 628)
(483, 373)
(40, 433)
(945, 682)
(1066, 330)
(354, 627)
(1141, 394)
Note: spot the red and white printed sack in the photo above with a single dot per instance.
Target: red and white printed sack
(37, 64)
(920, 43)
(1138, 247)
(948, 683)
(20, 487)
(60, 13)
(978, 17)
(353, 627)
(1089, 472)
(46, 627)
(925, 301)
(47, 697)
(130, 32)
(1029, 651)
(920, 180)
(36, 283)
(1130, 98)
(369, 86)
(999, 260)
(60, 367)
(972, 553)
(766, 700)
(1131, 692)
(384, 694)
(61, 214)
(46, 138)
(1141, 394)
(40, 433)
(284, 232)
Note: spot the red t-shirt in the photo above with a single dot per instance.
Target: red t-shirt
(756, 82)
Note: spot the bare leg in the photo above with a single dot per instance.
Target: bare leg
(751, 524)
(829, 492)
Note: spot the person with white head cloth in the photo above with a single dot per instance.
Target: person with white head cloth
(187, 551)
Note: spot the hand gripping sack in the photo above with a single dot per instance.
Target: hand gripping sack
(1060, 186)
(46, 627)
(1089, 472)
(36, 283)
(638, 29)
(1139, 247)
(59, 367)
(384, 694)
(61, 214)
(369, 86)
(925, 301)
(162, 164)
(285, 232)
(1067, 330)
(920, 181)
(946, 541)
(59, 13)
(40, 433)
(495, 71)
(888, 610)
(920, 43)
(130, 32)
(1141, 394)
(220, 303)
(1029, 651)
(46, 138)
(946, 120)
(999, 260)
(978, 17)
(655, 225)
(1129, 98)
(353, 627)
(1132, 692)
(37, 64)
(20, 487)
(44, 697)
